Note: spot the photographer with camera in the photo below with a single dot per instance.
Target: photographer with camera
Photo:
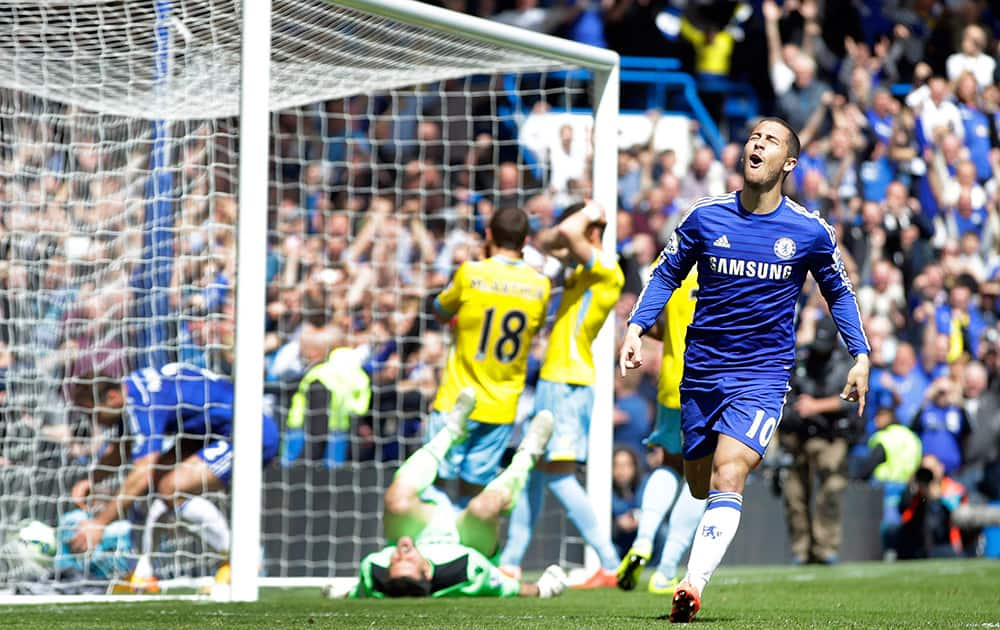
(817, 428)
(926, 529)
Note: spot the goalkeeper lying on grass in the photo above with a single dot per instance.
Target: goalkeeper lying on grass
(438, 553)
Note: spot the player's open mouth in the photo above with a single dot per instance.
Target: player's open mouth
(755, 160)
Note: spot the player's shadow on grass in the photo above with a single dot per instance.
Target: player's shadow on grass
(698, 619)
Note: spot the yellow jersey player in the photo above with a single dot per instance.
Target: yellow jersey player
(566, 385)
(497, 305)
(665, 484)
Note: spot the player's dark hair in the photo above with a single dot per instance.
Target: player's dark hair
(509, 227)
(571, 210)
(88, 389)
(794, 144)
(405, 586)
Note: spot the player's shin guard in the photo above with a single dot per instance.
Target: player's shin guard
(421, 469)
(715, 531)
(523, 517)
(532, 447)
(684, 519)
(210, 521)
(657, 497)
(511, 481)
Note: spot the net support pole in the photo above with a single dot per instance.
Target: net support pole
(151, 278)
(601, 439)
(251, 234)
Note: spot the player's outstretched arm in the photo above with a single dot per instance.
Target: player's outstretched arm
(827, 267)
(856, 387)
(647, 311)
(106, 465)
(136, 484)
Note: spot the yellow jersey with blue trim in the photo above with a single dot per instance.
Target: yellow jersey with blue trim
(678, 312)
(590, 293)
(498, 305)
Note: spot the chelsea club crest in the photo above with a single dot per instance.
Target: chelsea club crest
(784, 248)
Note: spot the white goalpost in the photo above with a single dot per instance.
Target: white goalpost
(241, 187)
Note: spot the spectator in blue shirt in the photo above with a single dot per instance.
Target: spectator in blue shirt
(941, 424)
(876, 173)
(882, 115)
(960, 319)
(978, 136)
(907, 383)
(632, 413)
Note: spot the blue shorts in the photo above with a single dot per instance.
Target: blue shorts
(477, 459)
(571, 407)
(667, 431)
(745, 409)
(218, 453)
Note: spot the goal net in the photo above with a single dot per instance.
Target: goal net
(395, 130)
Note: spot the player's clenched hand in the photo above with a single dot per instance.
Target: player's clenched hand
(631, 353)
(857, 382)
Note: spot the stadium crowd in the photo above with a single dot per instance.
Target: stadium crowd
(376, 200)
(906, 177)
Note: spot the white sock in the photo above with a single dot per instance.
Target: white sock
(143, 567)
(657, 497)
(156, 511)
(715, 531)
(211, 522)
(684, 519)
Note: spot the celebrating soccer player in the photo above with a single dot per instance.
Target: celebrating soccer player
(436, 553)
(566, 385)
(666, 490)
(179, 422)
(752, 249)
(498, 305)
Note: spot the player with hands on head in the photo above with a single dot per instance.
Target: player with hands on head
(753, 249)
(566, 385)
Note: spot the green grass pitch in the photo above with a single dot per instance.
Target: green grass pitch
(935, 594)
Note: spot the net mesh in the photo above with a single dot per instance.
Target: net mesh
(391, 144)
(103, 55)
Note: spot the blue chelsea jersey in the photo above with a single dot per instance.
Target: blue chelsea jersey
(174, 400)
(751, 268)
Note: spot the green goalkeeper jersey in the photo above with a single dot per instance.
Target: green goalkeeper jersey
(459, 571)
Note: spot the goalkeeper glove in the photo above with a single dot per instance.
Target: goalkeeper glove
(340, 589)
(553, 581)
